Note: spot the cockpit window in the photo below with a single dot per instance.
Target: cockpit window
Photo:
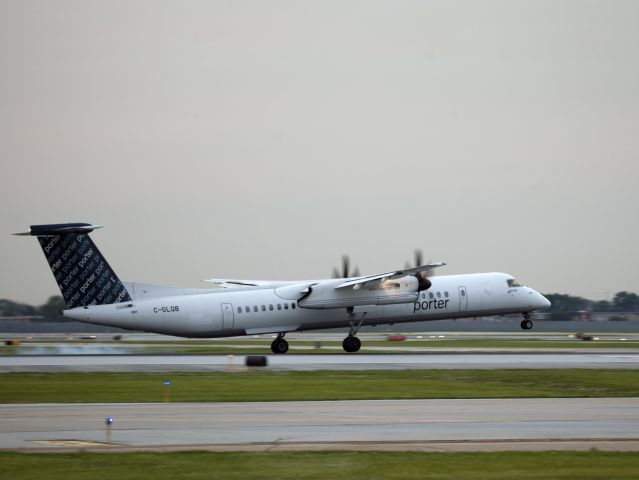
(513, 283)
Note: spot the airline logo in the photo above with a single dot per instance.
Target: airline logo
(434, 304)
(82, 274)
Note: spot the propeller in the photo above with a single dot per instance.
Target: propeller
(346, 269)
(422, 277)
(418, 260)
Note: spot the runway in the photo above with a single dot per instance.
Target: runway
(427, 425)
(120, 363)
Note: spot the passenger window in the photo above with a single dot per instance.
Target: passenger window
(239, 309)
(286, 306)
(279, 306)
(293, 306)
(247, 309)
(423, 296)
(270, 307)
(446, 294)
(463, 292)
(439, 295)
(264, 308)
(430, 295)
(255, 308)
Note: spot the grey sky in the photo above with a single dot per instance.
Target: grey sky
(264, 139)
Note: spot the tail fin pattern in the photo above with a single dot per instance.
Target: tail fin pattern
(82, 273)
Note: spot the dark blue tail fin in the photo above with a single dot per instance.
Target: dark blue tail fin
(83, 275)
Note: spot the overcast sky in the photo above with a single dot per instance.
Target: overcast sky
(255, 139)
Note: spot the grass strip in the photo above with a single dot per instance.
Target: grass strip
(262, 346)
(242, 385)
(490, 343)
(322, 465)
(398, 347)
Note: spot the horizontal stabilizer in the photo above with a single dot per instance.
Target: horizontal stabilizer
(82, 273)
(51, 229)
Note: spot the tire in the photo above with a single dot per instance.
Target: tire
(279, 346)
(526, 324)
(351, 344)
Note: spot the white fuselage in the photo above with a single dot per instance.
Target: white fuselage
(254, 310)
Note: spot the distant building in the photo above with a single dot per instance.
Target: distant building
(535, 316)
(584, 315)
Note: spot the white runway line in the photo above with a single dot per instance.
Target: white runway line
(319, 361)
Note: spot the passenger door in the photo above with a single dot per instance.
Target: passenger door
(463, 299)
(227, 316)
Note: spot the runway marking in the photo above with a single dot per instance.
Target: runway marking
(478, 445)
(73, 444)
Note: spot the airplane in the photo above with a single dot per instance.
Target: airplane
(93, 293)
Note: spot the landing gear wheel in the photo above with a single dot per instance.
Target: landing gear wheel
(279, 346)
(526, 324)
(351, 344)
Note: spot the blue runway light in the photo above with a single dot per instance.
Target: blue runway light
(167, 383)
(109, 420)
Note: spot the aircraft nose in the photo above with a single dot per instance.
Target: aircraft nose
(543, 302)
(536, 300)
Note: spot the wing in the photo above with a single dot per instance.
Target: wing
(230, 282)
(347, 292)
(352, 282)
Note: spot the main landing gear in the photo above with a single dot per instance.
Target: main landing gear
(352, 344)
(526, 323)
(279, 345)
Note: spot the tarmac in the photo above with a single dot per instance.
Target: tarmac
(389, 425)
(146, 363)
(423, 425)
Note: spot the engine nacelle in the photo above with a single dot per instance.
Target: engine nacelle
(326, 295)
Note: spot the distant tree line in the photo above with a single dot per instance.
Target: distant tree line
(562, 306)
(48, 311)
(565, 305)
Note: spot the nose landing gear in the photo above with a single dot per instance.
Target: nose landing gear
(526, 323)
